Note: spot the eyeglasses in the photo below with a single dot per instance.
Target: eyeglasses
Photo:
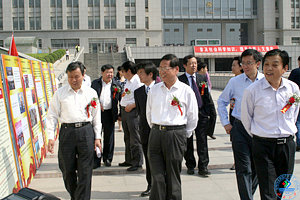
(248, 63)
(163, 69)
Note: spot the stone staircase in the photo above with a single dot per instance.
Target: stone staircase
(93, 62)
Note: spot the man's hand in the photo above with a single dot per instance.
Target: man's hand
(129, 107)
(98, 144)
(228, 128)
(51, 146)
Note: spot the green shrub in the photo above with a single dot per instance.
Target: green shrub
(49, 57)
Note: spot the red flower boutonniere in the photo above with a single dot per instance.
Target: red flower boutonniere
(126, 91)
(93, 103)
(203, 85)
(293, 99)
(116, 89)
(175, 102)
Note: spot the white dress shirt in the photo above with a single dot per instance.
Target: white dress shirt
(234, 89)
(68, 106)
(160, 111)
(132, 84)
(150, 86)
(105, 96)
(261, 105)
(86, 80)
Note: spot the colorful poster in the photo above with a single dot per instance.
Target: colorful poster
(33, 111)
(17, 106)
(47, 81)
(41, 96)
(52, 75)
(8, 168)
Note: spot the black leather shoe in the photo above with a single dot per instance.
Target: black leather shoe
(107, 163)
(124, 164)
(212, 137)
(190, 171)
(96, 165)
(134, 168)
(204, 172)
(146, 192)
(298, 148)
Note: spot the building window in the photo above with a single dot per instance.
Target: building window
(131, 42)
(176, 30)
(276, 5)
(97, 22)
(95, 3)
(293, 22)
(146, 5)
(1, 43)
(18, 3)
(34, 23)
(277, 22)
(64, 43)
(90, 22)
(277, 41)
(295, 40)
(292, 4)
(1, 23)
(127, 3)
(147, 42)
(199, 29)
(56, 3)
(40, 43)
(18, 23)
(127, 21)
(147, 22)
(106, 22)
(167, 30)
(69, 22)
(56, 23)
(76, 22)
(132, 3)
(231, 30)
(209, 30)
(133, 22)
(0, 4)
(72, 3)
(34, 3)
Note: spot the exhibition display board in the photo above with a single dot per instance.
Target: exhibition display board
(24, 98)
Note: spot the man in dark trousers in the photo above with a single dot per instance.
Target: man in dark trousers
(295, 77)
(190, 77)
(109, 93)
(80, 131)
(147, 73)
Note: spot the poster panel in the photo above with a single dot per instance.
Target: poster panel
(17, 109)
(52, 75)
(41, 95)
(33, 111)
(47, 81)
(8, 168)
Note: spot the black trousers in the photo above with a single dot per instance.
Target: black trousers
(75, 158)
(202, 148)
(165, 153)
(243, 159)
(133, 146)
(144, 134)
(108, 126)
(272, 160)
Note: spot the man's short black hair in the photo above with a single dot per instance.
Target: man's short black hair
(201, 65)
(252, 52)
(149, 67)
(186, 59)
(174, 61)
(105, 67)
(283, 54)
(74, 65)
(129, 65)
(298, 58)
(238, 58)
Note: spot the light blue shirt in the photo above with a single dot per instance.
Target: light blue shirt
(261, 109)
(189, 79)
(234, 89)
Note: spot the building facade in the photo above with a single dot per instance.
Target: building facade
(98, 25)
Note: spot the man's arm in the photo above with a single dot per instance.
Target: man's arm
(192, 113)
(247, 110)
(52, 120)
(148, 108)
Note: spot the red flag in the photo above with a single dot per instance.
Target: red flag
(13, 49)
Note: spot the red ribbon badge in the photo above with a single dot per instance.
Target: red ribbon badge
(175, 102)
(288, 105)
(93, 103)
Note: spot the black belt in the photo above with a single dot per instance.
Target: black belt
(282, 140)
(75, 125)
(168, 127)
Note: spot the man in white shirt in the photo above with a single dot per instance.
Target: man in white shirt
(109, 94)
(86, 79)
(147, 73)
(272, 127)
(172, 114)
(130, 119)
(77, 108)
(241, 141)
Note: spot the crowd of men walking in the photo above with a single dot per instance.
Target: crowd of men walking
(160, 111)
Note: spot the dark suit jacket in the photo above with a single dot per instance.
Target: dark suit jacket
(140, 98)
(97, 85)
(206, 98)
(295, 76)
